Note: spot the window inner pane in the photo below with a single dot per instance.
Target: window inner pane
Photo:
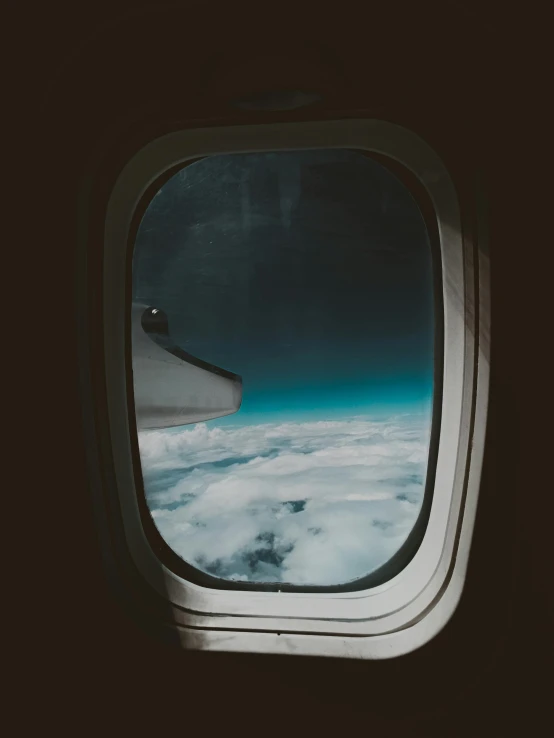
(283, 362)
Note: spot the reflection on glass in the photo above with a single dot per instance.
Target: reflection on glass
(306, 276)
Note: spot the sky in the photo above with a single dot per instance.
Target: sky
(310, 275)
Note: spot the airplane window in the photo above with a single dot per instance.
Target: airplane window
(284, 344)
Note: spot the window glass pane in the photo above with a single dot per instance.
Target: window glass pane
(283, 361)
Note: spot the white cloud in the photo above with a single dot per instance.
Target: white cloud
(305, 503)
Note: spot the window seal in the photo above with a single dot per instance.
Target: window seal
(407, 551)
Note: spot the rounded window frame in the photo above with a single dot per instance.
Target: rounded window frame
(409, 597)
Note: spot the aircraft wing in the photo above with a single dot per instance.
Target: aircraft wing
(171, 386)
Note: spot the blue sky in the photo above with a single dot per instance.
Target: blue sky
(307, 273)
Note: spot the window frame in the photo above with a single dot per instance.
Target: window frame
(407, 610)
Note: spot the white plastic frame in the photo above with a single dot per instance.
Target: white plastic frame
(409, 609)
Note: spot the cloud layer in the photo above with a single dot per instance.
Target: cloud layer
(319, 503)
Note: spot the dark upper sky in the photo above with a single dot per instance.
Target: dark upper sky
(308, 273)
